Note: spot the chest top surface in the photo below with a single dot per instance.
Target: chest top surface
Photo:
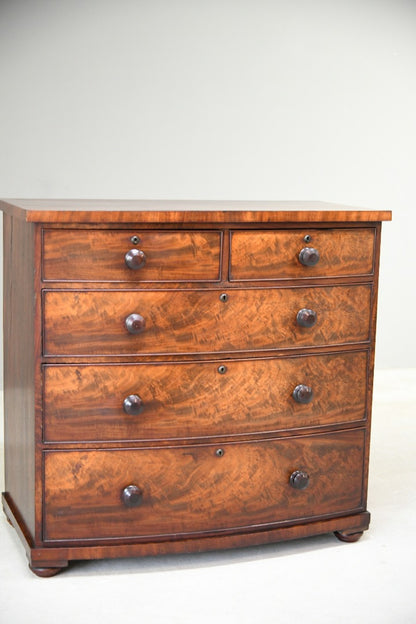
(185, 211)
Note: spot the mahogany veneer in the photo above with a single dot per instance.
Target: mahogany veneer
(85, 323)
(186, 376)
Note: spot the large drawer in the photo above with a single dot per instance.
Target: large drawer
(201, 321)
(198, 399)
(277, 254)
(195, 489)
(100, 255)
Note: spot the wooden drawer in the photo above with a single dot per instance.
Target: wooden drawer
(200, 488)
(197, 399)
(198, 321)
(99, 255)
(275, 254)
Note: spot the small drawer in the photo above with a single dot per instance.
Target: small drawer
(130, 256)
(201, 399)
(194, 489)
(288, 254)
(150, 322)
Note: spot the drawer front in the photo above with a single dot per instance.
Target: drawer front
(197, 489)
(198, 321)
(167, 401)
(261, 255)
(97, 255)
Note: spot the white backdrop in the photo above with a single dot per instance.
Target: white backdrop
(221, 99)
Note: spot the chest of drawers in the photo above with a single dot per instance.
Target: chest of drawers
(185, 376)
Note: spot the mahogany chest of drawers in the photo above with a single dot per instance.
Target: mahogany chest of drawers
(185, 376)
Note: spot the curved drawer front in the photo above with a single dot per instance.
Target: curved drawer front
(100, 256)
(201, 399)
(198, 321)
(197, 489)
(261, 255)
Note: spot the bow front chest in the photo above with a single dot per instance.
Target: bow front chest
(185, 376)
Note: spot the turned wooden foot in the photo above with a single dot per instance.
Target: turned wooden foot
(45, 572)
(344, 536)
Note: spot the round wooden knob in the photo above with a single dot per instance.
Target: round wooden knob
(133, 405)
(132, 496)
(302, 394)
(135, 259)
(309, 256)
(135, 323)
(306, 317)
(299, 479)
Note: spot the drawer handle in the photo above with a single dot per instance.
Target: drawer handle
(309, 256)
(132, 496)
(135, 259)
(306, 317)
(133, 405)
(302, 394)
(135, 323)
(299, 480)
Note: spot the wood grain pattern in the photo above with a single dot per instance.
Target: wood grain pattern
(194, 400)
(185, 211)
(96, 255)
(190, 490)
(92, 322)
(60, 555)
(19, 358)
(211, 454)
(274, 254)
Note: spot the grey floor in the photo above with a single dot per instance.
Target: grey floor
(306, 581)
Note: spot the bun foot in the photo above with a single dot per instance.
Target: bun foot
(344, 536)
(45, 572)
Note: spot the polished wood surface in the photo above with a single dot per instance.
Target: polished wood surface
(190, 400)
(262, 255)
(186, 211)
(57, 557)
(223, 421)
(19, 365)
(191, 489)
(347, 536)
(93, 255)
(197, 321)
